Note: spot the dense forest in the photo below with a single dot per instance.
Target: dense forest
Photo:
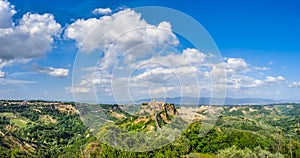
(55, 129)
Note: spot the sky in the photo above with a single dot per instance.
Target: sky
(50, 50)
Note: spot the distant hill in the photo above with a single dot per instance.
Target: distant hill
(227, 101)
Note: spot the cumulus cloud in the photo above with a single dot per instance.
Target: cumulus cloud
(119, 33)
(6, 12)
(194, 56)
(135, 56)
(56, 72)
(261, 68)
(31, 38)
(187, 57)
(237, 82)
(174, 74)
(99, 11)
(295, 85)
(271, 79)
(236, 75)
(124, 32)
(165, 70)
(230, 66)
(235, 65)
(241, 81)
(93, 33)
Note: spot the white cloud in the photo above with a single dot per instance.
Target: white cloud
(280, 78)
(56, 72)
(22, 74)
(234, 65)
(241, 81)
(2, 64)
(230, 66)
(140, 58)
(93, 34)
(237, 82)
(295, 85)
(78, 89)
(261, 68)
(194, 56)
(188, 57)
(7, 81)
(100, 11)
(6, 12)
(2, 74)
(6, 63)
(160, 74)
(175, 75)
(271, 79)
(175, 72)
(87, 80)
(236, 75)
(31, 38)
(138, 40)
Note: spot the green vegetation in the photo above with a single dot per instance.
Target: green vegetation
(233, 152)
(54, 129)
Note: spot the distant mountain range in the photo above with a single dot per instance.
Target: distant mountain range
(227, 101)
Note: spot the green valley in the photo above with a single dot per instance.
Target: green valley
(57, 129)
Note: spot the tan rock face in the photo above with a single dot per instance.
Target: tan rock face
(157, 111)
(68, 108)
(170, 109)
(152, 108)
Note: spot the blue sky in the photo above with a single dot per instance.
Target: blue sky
(259, 40)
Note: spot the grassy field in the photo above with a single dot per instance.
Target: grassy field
(17, 121)
(20, 122)
(7, 114)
